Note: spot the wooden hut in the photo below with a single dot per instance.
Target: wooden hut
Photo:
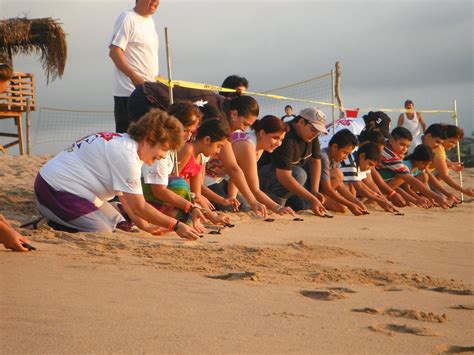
(43, 36)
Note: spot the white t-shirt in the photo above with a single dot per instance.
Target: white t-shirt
(137, 37)
(97, 168)
(355, 125)
(159, 171)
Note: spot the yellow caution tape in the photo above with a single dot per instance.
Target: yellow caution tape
(192, 85)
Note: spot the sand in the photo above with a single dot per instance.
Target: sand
(373, 284)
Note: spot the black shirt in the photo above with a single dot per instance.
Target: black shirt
(158, 95)
(293, 152)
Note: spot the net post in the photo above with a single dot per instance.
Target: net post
(333, 102)
(338, 90)
(458, 147)
(170, 87)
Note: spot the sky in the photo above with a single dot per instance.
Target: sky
(389, 50)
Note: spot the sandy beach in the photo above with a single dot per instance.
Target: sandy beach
(374, 284)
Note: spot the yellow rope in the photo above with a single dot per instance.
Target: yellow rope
(193, 85)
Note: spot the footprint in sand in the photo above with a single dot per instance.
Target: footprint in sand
(453, 349)
(232, 276)
(392, 329)
(405, 313)
(468, 307)
(453, 291)
(393, 289)
(332, 294)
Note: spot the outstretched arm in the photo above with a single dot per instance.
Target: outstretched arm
(246, 158)
(443, 174)
(227, 157)
(9, 237)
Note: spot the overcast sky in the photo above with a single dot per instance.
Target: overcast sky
(389, 50)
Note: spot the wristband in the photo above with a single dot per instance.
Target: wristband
(188, 208)
(175, 228)
(172, 223)
(193, 207)
(391, 194)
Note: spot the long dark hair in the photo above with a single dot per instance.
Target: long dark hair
(213, 128)
(244, 105)
(421, 153)
(453, 131)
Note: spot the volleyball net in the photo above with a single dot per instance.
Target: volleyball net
(56, 128)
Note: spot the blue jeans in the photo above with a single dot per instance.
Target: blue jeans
(221, 190)
(271, 186)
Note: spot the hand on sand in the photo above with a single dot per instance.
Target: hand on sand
(453, 199)
(398, 200)
(198, 220)
(10, 238)
(232, 201)
(186, 232)
(387, 205)
(259, 208)
(423, 202)
(204, 202)
(281, 210)
(318, 208)
(362, 206)
(216, 218)
(469, 192)
(442, 202)
(357, 210)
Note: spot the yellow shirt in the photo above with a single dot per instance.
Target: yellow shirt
(438, 152)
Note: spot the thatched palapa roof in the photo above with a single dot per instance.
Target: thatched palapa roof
(44, 35)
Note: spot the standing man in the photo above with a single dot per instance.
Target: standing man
(134, 51)
(414, 122)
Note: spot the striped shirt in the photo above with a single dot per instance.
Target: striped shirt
(392, 162)
(351, 170)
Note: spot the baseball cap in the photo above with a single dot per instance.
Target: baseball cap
(316, 117)
(380, 120)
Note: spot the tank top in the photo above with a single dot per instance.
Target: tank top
(191, 169)
(215, 171)
(414, 126)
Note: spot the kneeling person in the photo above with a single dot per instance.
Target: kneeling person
(338, 196)
(73, 188)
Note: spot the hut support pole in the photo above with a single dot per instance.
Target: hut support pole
(28, 126)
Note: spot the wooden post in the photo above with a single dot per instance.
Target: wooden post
(28, 126)
(458, 147)
(170, 86)
(338, 90)
(168, 61)
(333, 103)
